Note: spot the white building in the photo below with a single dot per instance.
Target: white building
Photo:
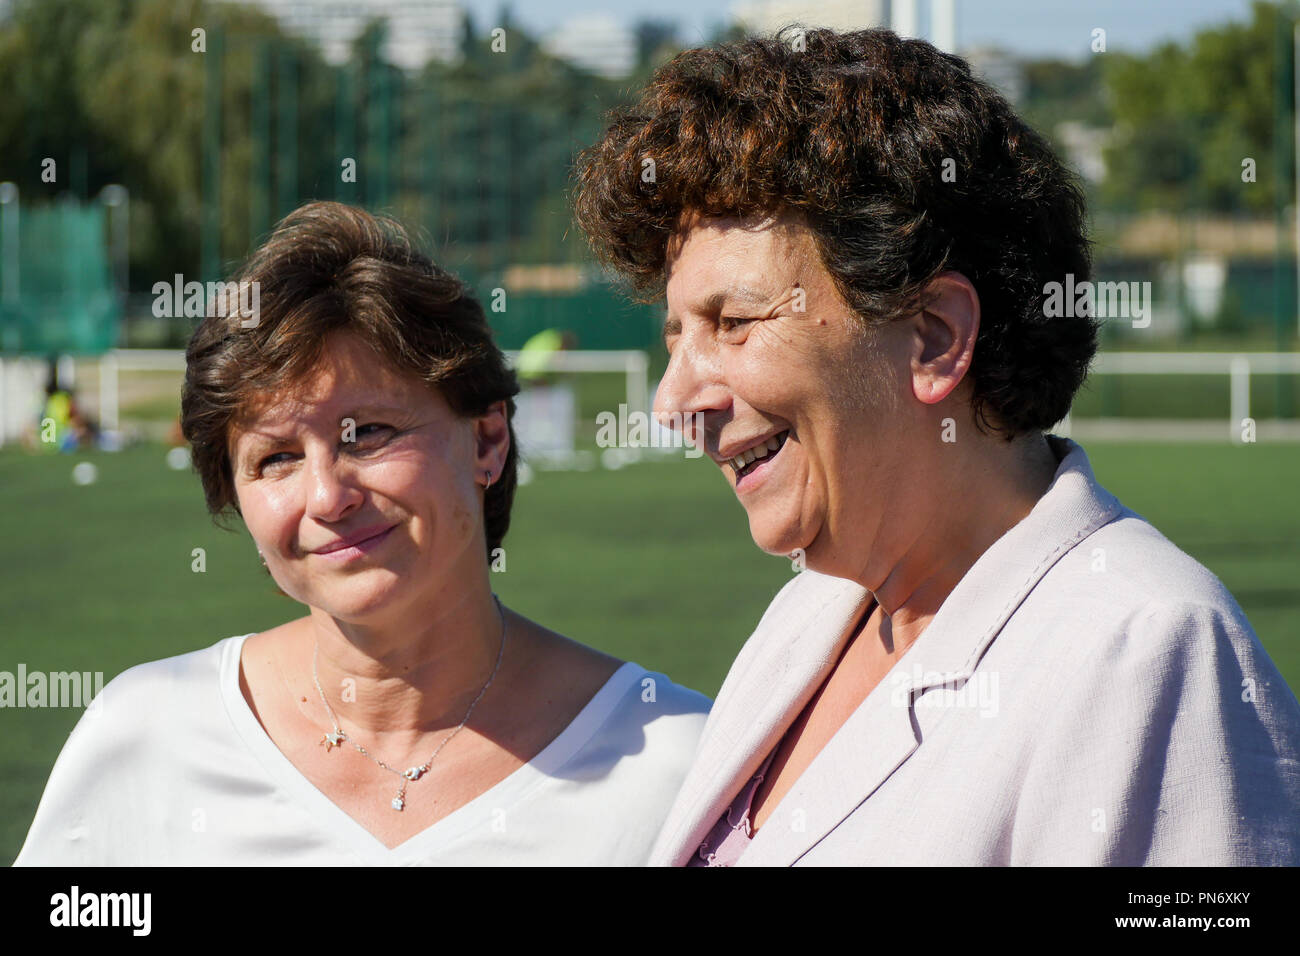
(418, 30)
(904, 17)
(596, 42)
(1000, 69)
(768, 16)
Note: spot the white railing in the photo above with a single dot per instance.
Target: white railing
(634, 364)
(1238, 366)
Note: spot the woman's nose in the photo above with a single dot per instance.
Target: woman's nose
(690, 387)
(331, 488)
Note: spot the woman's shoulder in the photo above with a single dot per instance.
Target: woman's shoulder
(600, 686)
(645, 716)
(152, 703)
(604, 693)
(190, 679)
(128, 750)
(641, 688)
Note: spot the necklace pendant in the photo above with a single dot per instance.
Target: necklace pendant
(415, 773)
(330, 741)
(398, 803)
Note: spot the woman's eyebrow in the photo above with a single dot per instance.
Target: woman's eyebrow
(251, 444)
(379, 409)
(672, 326)
(743, 294)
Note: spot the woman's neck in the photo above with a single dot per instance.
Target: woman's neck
(953, 519)
(418, 670)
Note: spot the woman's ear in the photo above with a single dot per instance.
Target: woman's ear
(491, 442)
(943, 337)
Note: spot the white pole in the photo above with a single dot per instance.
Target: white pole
(1239, 401)
(4, 412)
(66, 367)
(9, 240)
(903, 18)
(108, 416)
(118, 199)
(943, 25)
(638, 364)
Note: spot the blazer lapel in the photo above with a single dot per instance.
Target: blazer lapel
(780, 668)
(885, 730)
(876, 740)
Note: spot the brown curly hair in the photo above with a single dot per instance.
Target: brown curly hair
(901, 163)
(330, 267)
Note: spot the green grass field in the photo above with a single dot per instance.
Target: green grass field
(99, 577)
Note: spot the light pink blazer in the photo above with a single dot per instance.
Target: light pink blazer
(1088, 694)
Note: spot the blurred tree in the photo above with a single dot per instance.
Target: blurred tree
(121, 82)
(655, 41)
(1059, 90)
(479, 151)
(1186, 117)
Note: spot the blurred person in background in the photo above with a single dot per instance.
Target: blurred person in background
(62, 426)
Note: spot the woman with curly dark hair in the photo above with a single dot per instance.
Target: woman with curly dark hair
(988, 659)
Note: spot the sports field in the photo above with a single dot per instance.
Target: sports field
(652, 563)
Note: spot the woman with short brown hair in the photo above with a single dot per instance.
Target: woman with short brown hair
(358, 420)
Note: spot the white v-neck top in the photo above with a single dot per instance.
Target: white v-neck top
(170, 767)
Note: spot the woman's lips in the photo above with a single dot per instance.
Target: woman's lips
(759, 469)
(356, 546)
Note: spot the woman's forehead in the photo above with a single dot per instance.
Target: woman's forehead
(345, 381)
(716, 256)
(781, 238)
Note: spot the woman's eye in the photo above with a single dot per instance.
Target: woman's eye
(372, 433)
(729, 322)
(272, 460)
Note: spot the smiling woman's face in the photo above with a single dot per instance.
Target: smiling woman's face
(765, 349)
(361, 487)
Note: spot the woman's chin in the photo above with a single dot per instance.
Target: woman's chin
(357, 601)
(781, 540)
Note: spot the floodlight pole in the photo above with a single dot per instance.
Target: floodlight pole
(118, 200)
(9, 241)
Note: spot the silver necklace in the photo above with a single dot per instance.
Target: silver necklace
(330, 741)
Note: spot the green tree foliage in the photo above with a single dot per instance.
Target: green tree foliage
(1186, 117)
(479, 152)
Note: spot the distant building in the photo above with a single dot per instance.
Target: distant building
(1086, 148)
(904, 17)
(596, 42)
(418, 30)
(768, 16)
(998, 68)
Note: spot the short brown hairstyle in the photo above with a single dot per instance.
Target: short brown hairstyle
(902, 164)
(326, 268)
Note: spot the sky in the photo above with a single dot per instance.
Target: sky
(1038, 28)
